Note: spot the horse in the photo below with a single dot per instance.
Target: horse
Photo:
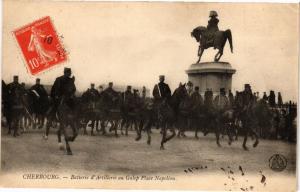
(17, 109)
(38, 105)
(67, 116)
(164, 112)
(90, 110)
(111, 106)
(219, 41)
(248, 117)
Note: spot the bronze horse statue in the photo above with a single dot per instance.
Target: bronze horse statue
(218, 41)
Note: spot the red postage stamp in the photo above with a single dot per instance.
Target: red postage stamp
(40, 45)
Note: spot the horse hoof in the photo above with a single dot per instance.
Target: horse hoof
(138, 138)
(229, 143)
(126, 134)
(69, 153)
(149, 142)
(245, 148)
(45, 137)
(117, 136)
(162, 148)
(255, 144)
(219, 145)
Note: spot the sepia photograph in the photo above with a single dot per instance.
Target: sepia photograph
(149, 95)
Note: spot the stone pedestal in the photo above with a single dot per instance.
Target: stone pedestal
(211, 75)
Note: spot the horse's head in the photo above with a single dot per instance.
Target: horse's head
(197, 32)
(181, 92)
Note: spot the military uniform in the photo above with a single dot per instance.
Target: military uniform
(128, 100)
(208, 98)
(14, 91)
(40, 90)
(161, 91)
(92, 94)
(221, 103)
(59, 88)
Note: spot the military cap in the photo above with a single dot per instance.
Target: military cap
(110, 83)
(247, 86)
(67, 69)
(38, 79)
(213, 14)
(189, 84)
(129, 87)
(16, 76)
(161, 76)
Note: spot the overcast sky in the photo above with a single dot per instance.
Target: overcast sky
(133, 43)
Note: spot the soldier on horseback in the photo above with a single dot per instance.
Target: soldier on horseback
(221, 105)
(15, 104)
(127, 108)
(40, 102)
(161, 91)
(247, 115)
(58, 90)
(92, 93)
(39, 88)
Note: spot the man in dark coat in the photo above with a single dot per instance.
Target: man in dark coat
(161, 90)
(39, 88)
(92, 94)
(13, 89)
(208, 97)
(15, 103)
(196, 97)
(265, 97)
(272, 99)
(127, 100)
(63, 86)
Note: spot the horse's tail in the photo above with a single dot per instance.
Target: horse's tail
(228, 35)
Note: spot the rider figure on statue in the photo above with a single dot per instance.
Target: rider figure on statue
(212, 27)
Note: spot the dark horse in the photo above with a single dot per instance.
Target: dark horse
(67, 116)
(219, 41)
(248, 115)
(165, 113)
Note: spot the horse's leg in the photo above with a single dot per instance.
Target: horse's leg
(129, 123)
(61, 147)
(115, 125)
(256, 138)
(200, 52)
(123, 122)
(102, 125)
(68, 148)
(92, 127)
(228, 130)
(245, 139)
(164, 133)
(149, 136)
(217, 132)
(172, 135)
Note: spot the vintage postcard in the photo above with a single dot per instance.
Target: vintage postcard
(149, 95)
